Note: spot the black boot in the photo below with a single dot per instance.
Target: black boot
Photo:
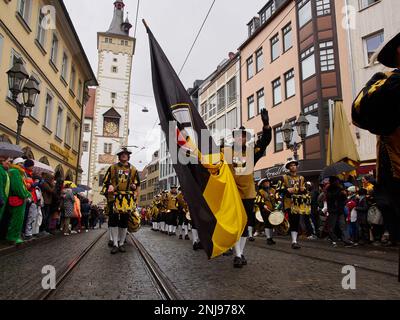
(244, 261)
(180, 237)
(237, 262)
(187, 237)
(114, 250)
(270, 242)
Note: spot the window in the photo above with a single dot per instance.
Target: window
(311, 113)
(221, 124)
(290, 89)
(287, 37)
(64, 66)
(115, 60)
(113, 95)
(75, 144)
(85, 146)
(231, 119)
(68, 131)
(275, 52)
(277, 91)
(86, 127)
(212, 109)
(126, 43)
(250, 68)
(47, 111)
(323, 7)
(278, 139)
(54, 49)
(259, 60)
(221, 100)
(250, 107)
(41, 32)
(35, 110)
(212, 127)
(366, 3)
(24, 9)
(114, 69)
(251, 28)
(260, 100)
(232, 91)
(308, 63)
(80, 90)
(327, 56)
(59, 122)
(268, 12)
(204, 112)
(72, 79)
(305, 12)
(1, 47)
(371, 43)
(108, 148)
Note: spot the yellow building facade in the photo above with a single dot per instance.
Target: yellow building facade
(41, 33)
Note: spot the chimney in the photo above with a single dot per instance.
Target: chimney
(231, 55)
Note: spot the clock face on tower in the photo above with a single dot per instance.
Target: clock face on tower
(111, 128)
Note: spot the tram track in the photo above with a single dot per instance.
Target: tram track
(327, 260)
(163, 286)
(47, 294)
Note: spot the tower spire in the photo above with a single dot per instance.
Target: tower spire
(118, 26)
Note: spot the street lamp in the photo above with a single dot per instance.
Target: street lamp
(20, 82)
(287, 134)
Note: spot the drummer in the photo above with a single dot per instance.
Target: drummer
(266, 202)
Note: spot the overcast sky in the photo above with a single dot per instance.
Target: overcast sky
(175, 24)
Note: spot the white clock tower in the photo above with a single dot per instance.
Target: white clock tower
(111, 112)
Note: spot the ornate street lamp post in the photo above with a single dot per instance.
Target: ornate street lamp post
(20, 82)
(287, 134)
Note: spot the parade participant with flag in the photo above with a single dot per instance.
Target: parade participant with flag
(123, 181)
(210, 190)
(243, 156)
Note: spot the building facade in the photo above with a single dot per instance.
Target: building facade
(358, 42)
(219, 99)
(290, 64)
(52, 53)
(87, 137)
(111, 112)
(149, 187)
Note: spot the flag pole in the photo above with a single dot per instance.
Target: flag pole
(145, 24)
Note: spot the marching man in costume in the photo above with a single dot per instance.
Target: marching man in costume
(122, 181)
(172, 210)
(266, 202)
(293, 185)
(182, 210)
(242, 161)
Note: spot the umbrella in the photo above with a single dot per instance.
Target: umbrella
(85, 188)
(78, 190)
(72, 185)
(336, 169)
(10, 150)
(40, 168)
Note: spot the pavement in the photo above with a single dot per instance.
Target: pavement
(272, 273)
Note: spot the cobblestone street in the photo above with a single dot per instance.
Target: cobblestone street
(278, 272)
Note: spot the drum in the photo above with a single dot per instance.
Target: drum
(134, 221)
(276, 218)
(283, 228)
(259, 216)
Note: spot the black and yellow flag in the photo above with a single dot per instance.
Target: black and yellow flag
(207, 182)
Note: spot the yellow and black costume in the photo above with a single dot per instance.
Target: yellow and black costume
(377, 110)
(182, 220)
(124, 179)
(170, 202)
(295, 203)
(266, 202)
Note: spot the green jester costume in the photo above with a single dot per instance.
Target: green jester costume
(17, 203)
